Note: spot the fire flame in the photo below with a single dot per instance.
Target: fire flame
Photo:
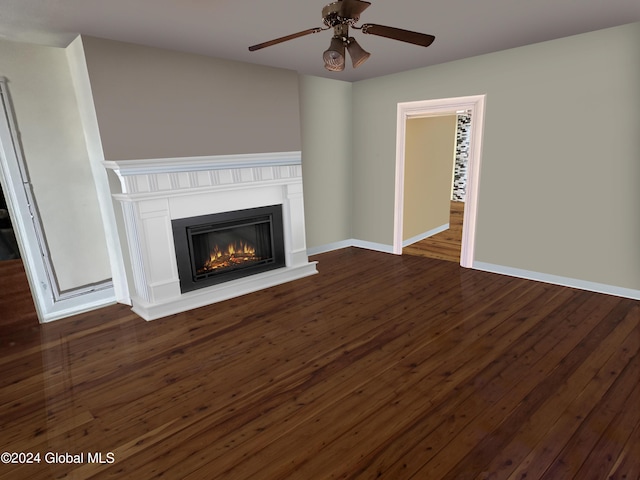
(231, 255)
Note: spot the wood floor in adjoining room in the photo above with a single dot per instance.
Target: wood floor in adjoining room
(444, 245)
(379, 367)
(17, 310)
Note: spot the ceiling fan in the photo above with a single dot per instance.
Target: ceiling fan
(341, 15)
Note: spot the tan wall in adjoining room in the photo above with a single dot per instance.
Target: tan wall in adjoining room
(428, 173)
(157, 103)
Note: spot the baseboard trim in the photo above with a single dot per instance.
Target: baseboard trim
(79, 304)
(492, 268)
(422, 236)
(558, 280)
(351, 242)
(329, 247)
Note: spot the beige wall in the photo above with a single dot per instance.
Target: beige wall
(326, 159)
(55, 152)
(155, 103)
(428, 173)
(560, 172)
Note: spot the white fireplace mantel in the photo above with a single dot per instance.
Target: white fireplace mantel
(155, 192)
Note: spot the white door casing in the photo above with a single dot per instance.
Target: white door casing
(50, 302)
(446, 106)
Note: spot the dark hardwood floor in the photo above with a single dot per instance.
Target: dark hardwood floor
(17, 312)
(381, 366)
(444, 245)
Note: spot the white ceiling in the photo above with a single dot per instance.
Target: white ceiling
(225, 28)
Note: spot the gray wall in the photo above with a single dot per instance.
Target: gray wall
(560, 171)
(326, 159)
(156, 103)
(55, 152)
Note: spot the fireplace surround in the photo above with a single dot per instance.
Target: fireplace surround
(233, 192)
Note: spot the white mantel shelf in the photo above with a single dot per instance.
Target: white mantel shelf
(156, 191)
(174, 175)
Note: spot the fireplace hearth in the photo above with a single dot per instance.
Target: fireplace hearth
(212, 249)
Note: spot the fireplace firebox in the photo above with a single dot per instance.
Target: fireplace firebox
(212, 249)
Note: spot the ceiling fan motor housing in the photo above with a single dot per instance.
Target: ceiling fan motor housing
(332, 18)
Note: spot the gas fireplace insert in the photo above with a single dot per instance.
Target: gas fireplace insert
(212, 249)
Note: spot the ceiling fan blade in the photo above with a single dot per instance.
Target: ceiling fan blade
(416, 38)
(353, 8)
(275, 41)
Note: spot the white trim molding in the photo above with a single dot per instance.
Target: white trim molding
(422, 236)
(428, 108)
(559, 280)
(351, 242)
(203, 163)
(91, 130)
(50, 302)
(177, 176)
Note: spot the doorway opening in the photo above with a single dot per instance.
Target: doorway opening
(474, 105)
(436, 161)
(8, 241)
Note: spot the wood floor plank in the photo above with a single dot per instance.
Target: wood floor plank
(544, 453)
(421, 373)
(442, 426)
(578, 449)
(403, 314)
(444, 245)
(609, 446)
(589, 381)
(584, 370)
(626, 465)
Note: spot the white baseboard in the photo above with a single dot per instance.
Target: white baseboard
(558, 280)
(489, 267)
(351, 242)
(424, 235)
(329, 247)
(79, 304)
(378, 247)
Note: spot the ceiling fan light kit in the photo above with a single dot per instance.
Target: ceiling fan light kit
(334, 56)
(356, 52)
(341, 15)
